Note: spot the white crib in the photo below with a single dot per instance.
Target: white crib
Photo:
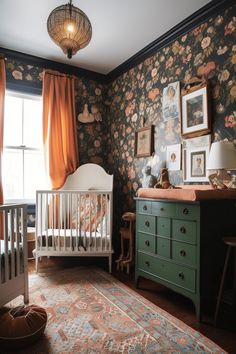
(77, 219)
(13, 253)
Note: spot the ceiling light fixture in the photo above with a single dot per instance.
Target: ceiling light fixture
(70, 28)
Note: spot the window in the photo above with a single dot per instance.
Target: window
(23, 164)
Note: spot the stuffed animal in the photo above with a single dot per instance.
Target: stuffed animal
(163, 182)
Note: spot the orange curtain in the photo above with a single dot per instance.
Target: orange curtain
(2, 96)
(59, 126)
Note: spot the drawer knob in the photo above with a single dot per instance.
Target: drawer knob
(185, 211)
(144, 207)
(147, 243)
(147, 223)
(182, 253)
(181, 275)
(162, 209)
(183, 230)
(147, 264)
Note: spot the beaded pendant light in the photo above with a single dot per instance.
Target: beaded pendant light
(70, 28)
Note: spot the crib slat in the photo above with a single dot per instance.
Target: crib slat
(17, 216)
(47, 219)
(6, 245)
(59, 221)
(11, 233)
(41, 221)
(64, 220)
(70, 218)
(101, 238)
(77, 207)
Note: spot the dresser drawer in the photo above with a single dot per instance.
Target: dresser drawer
(163, 209)
(147, 223)
(187, 211)
(180, 275)
(150, 264)
(146, 242)
(163, 247)
(184, 231)
(163, 226)
(144, 207)
(184, 253)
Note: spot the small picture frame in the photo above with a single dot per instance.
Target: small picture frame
(173, 157)
(195, 113)
(195, 158)
(171, 106)
(144, 141)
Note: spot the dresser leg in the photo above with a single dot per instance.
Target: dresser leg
(198, 311)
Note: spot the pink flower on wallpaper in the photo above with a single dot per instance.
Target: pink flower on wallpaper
(153, 93)
(129, 95)
(169, 62)
(230, 27)
(230, 121)
(205, 69)
(130, 108)
(205, 42)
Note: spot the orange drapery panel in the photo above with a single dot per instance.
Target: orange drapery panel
(2, 97)
(59, 126)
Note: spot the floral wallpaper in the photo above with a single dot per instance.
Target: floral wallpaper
(91, 137)
(135, 98)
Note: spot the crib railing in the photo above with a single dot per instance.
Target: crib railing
(73, 221)
(13, 252)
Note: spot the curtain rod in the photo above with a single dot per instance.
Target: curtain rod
(57, 73)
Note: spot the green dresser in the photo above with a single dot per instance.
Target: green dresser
(179, 244)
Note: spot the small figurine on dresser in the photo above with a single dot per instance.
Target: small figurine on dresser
(163, 182)
(148, 180)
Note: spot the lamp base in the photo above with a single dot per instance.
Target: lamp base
(220, 180)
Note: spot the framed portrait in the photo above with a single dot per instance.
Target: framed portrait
(173, 157)
(195, 158)
(144, 141)
(171, 107)
(195, 113)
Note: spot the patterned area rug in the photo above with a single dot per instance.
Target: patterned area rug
(89, 311)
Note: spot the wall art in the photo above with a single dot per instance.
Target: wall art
(171, 108)
(144, 141)
(195, 113)
(173, 157)
(195, 158)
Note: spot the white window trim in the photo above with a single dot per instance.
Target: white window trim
(22, 147)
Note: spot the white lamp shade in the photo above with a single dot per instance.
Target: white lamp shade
(222, 156)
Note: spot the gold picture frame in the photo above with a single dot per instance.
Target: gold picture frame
(144, 141)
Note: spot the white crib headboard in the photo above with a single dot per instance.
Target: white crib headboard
(89, 176)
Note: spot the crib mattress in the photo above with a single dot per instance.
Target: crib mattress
(2, 259)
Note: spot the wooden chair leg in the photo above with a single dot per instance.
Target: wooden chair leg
(222, 285)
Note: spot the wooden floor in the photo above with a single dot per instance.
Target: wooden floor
(175, 304)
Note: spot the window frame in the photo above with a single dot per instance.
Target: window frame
(22, 147)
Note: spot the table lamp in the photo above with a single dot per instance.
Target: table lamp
(222, 158)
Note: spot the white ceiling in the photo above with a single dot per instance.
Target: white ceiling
(121, 28)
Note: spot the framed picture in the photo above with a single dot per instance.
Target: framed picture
(171, 102)
(195, 158)
(195, 113)
(144, 141)
(173, 157)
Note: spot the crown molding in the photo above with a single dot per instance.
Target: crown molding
(54, 65)
(204, 13)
